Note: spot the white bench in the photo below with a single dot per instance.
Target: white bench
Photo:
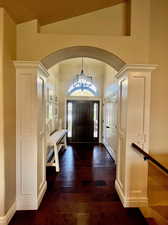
(57, 140)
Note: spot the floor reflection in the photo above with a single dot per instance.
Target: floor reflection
(83, 193)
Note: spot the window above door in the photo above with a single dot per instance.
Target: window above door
(82, 91)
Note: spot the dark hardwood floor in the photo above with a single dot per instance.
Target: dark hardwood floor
(82, 193)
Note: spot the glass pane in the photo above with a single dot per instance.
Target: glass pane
(79, 88)
(82, 93)
(69, 119)
(96, 113)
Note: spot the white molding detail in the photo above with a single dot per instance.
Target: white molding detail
(83, 51)
(133, 127)
(30, 129)
(110, 150)
(136, 67)
(4, 220)
(26, 203)
(29, 202)
(120, 192)
(42, 192)
(128, 201)
(31, 65)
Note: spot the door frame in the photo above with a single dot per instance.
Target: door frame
(79, 98)
(112, 98)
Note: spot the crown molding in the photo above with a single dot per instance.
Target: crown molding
(136, 68)
(22, 64)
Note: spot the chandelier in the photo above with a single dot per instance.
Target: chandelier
(82, 80)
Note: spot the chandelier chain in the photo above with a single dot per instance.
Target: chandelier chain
(82, 80)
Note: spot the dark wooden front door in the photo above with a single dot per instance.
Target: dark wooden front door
(84, 121)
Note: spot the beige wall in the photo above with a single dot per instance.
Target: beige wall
(159, 55)
(32, 45)
(2, 177)
(8, 133)
(108, 21)
(9, 110)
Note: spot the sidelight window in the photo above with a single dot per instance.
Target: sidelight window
(96, 116)
(69, 119)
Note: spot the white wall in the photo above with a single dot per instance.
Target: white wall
(159, 94)
(109, 80)
(32, 45)
(53, 85)
(110, 110)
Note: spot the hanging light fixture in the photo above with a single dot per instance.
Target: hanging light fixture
(82, 80)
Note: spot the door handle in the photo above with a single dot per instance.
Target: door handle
(107, 127)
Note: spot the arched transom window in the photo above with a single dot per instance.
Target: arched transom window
(80, 90)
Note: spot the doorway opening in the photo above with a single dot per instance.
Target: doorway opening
(83, 121)
(56, 108)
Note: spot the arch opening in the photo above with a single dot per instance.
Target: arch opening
(83, 51)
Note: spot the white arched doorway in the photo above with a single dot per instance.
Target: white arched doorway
(134, 108)
(83, 51)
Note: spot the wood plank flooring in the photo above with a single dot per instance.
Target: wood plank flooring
(82, 193)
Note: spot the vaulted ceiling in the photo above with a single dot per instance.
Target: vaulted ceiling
(49, 11)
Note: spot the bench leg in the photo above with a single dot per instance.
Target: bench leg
(57, 167)
(65, 141)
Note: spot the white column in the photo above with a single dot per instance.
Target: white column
(30, 149)
(133, 126)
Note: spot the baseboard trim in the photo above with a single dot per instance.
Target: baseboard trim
(31, 202)
(130, 202)
(110, 151)
(120, 192)
(26, 203)
(42, 192)
(4, 220)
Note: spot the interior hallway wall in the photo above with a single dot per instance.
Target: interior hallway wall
(159, 95)
(2, 168)
(110, 111)
(109, 80)
(139, 47)
(53, 84)
(7, 112)
(32, 45)
(115, 18)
